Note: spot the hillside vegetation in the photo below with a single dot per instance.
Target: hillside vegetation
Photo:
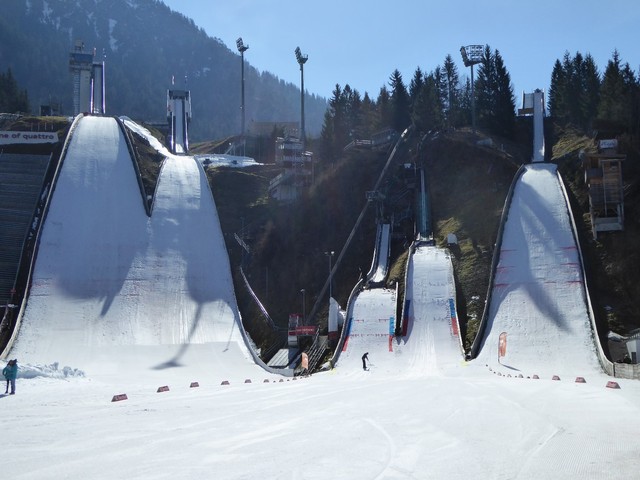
(468, 185)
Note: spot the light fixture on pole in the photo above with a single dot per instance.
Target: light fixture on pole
(302, 59)
(242, 48)
(472, 55)
(330, 255)
(304, 308)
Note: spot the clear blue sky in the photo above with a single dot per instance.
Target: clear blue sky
(361, 42)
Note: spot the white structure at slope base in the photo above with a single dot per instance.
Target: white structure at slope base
(533, 105)
(178, 117)
(88, 81)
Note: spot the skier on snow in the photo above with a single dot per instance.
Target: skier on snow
(10, 372)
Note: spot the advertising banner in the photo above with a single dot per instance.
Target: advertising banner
(303, 330)
(7, 137)
(502, 345)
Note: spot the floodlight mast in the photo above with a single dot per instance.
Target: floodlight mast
(472, 55)
(242, 48)
(302, 59)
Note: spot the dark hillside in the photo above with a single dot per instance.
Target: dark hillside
(289, 241)
(468, 185)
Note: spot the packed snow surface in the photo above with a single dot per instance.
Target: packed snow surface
(538, 299)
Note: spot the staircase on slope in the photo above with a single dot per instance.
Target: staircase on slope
(21, 182)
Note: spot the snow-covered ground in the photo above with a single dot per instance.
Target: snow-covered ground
(131, 304)
(209, 159)
(116, 291)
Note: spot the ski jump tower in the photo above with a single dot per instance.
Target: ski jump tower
(178, 117)
(533, 105)
(88, 81)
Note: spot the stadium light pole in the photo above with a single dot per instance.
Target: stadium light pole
(304, 308)
(472, 55)
(330, 255)
(302, 59)
(242, 48)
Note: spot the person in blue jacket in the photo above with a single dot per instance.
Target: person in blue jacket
(10, 372)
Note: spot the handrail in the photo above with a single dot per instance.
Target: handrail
(258, 302)
(454, 304)
(401, 328)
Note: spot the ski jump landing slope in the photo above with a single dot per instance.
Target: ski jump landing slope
(114, 290)
(433, 335)
(538, 294)
(431, 346)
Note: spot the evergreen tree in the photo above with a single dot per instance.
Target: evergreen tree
(555, 100)
(12, 99)
(485, 86)
(400, 102)
(634, 99)
(385, 110)
(504, 101)
(495, 101)
(353, 113)
(452, 105)
(370, 116)
(345, 121)
(465, 103)
(590, 91)
(416, 84)
(427, 111)
(441, 87)
(575, 90)
(618, 94)
(333, 128)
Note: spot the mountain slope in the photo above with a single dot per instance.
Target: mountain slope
(145, 45)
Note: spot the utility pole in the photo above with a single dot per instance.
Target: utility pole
(302, 59)
(472, 55)
(242, 48)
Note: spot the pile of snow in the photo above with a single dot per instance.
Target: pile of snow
(224, 160)
(49, 371)
(214, 159)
